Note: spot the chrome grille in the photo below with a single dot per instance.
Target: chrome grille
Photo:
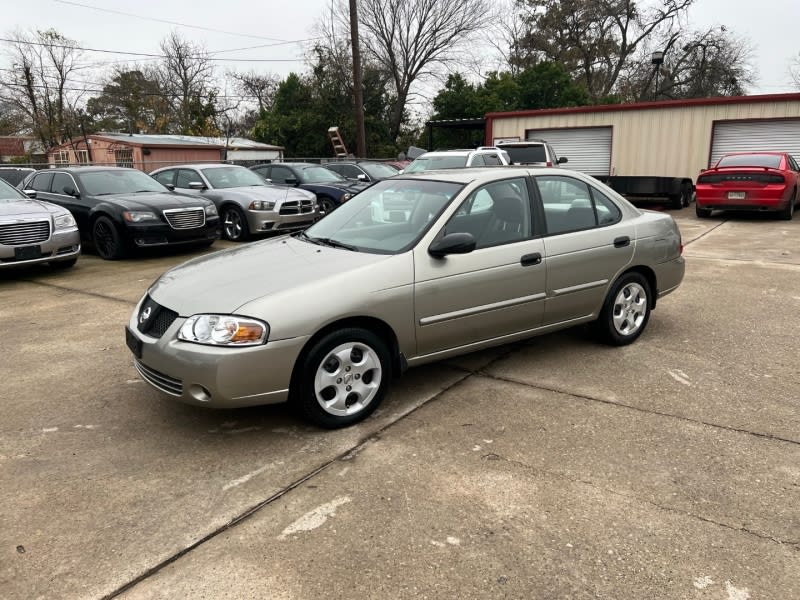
(185, 218)
(165, 383)
(21, 234)
(296, 208)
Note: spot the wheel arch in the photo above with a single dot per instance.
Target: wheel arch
(373, 324)
(650, 277)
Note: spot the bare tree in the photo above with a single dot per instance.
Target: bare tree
(412, 38)
(594, 39)
(794, 70)
(260, 87)
(39, 84)
(186, 75)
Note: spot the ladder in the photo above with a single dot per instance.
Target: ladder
(339, 149)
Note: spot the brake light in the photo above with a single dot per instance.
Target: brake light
(549, 163)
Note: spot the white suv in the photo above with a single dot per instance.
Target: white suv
(485, 156)
(532, 152)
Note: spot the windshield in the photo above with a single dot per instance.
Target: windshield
(428, 163)
(231, 177)
(773, 161)
(118, 181)
(14, 176)
(378, 170)
(9, 193)
(319, 175)
(386, 218)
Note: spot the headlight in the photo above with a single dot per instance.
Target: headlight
(224, 330)
(137, 216)
(261, 205)
(346, 197)
(64, 221)
(211, 210)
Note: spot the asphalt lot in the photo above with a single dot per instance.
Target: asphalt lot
(556, 468)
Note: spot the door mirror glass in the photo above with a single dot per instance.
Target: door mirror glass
(562, 160)
(452, 243)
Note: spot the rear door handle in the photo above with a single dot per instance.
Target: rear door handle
(621, 242)
(530, 259)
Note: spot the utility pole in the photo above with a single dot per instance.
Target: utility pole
(358, 97)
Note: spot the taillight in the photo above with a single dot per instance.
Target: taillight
(549, 163)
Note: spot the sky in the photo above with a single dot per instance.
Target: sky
(228, 24)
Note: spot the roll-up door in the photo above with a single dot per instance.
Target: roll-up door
(781, 135)
(588, 149)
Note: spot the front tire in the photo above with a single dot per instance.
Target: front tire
(234, 224)
(343, 378)
(626, 310)
(107, 239)
(702, 213)
(326, 205)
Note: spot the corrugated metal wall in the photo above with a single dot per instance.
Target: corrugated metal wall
(754, 136)
(666, 141)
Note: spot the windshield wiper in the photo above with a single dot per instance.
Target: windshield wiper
(337, 244)
(304, 236)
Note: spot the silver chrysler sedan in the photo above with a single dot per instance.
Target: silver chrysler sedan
(414, 269)
(32, 231)
(246, 203)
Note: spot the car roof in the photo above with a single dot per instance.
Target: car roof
(89, 169)
(470, 174)
(765, 152)
(199, 166)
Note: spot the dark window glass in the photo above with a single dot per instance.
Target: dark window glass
(185, 177)
(477, 161)
(497, 213)
(41, 183)
(61, 183)
(491, 160)
(280, 174)
(525, 154)
(567, 204)
(379, 171)
(165, 177)
(350, 171)
(772, 161)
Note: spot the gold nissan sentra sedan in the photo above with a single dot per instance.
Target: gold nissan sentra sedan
(414, 269)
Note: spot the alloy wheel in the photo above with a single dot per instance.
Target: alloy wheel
(347, 379)
(630, 309)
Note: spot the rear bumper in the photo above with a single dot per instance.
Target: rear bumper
(754, 199)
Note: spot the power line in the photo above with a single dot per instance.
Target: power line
(127, 14)
(140, 93)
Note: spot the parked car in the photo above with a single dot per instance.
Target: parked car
(480, 257)
(119, 209)
(330, 188)
(246, 203)
(768, 181)
(532, 152)
(363, 170)
(32, 231)
(15, 175)
(457, 159)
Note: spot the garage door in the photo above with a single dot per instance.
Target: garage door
(587, 148)
(751, 136)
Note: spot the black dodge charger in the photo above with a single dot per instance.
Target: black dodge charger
(118, 209)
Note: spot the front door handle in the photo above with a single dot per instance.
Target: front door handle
(530, 259)
(621, 242)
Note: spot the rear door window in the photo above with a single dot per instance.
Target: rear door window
(61, 183)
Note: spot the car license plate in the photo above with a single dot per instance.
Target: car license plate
(736, 195)
(28, 252)
(134, 343)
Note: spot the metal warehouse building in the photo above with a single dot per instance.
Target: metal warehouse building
(674, 138)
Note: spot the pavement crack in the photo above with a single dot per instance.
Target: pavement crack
(705, 233)
(82, 292)
(670, 509)
(757, 434)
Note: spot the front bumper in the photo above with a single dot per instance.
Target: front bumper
(272, 220)
(210, 376)
(62, 245)
(161, 234)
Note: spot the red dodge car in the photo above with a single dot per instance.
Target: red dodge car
(767, 181)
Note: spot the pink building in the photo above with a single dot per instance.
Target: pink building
(143, 152)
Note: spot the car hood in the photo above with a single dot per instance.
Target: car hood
(28, 209)
(262, 192)
(352, 187)
(224, 281)
(153, 200)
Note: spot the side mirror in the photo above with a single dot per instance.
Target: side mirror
(292, 181)
(29, 193)
(197, 185)
(563, 160)
(170, 186)
(71, 191)
(400, 171)
(452, 243)
(362, 177)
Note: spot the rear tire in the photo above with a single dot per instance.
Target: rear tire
(342, 378)
(787, 213)
(702, 213)
(626, 310)
(107, 239)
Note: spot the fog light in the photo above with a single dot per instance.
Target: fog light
(199, 393)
